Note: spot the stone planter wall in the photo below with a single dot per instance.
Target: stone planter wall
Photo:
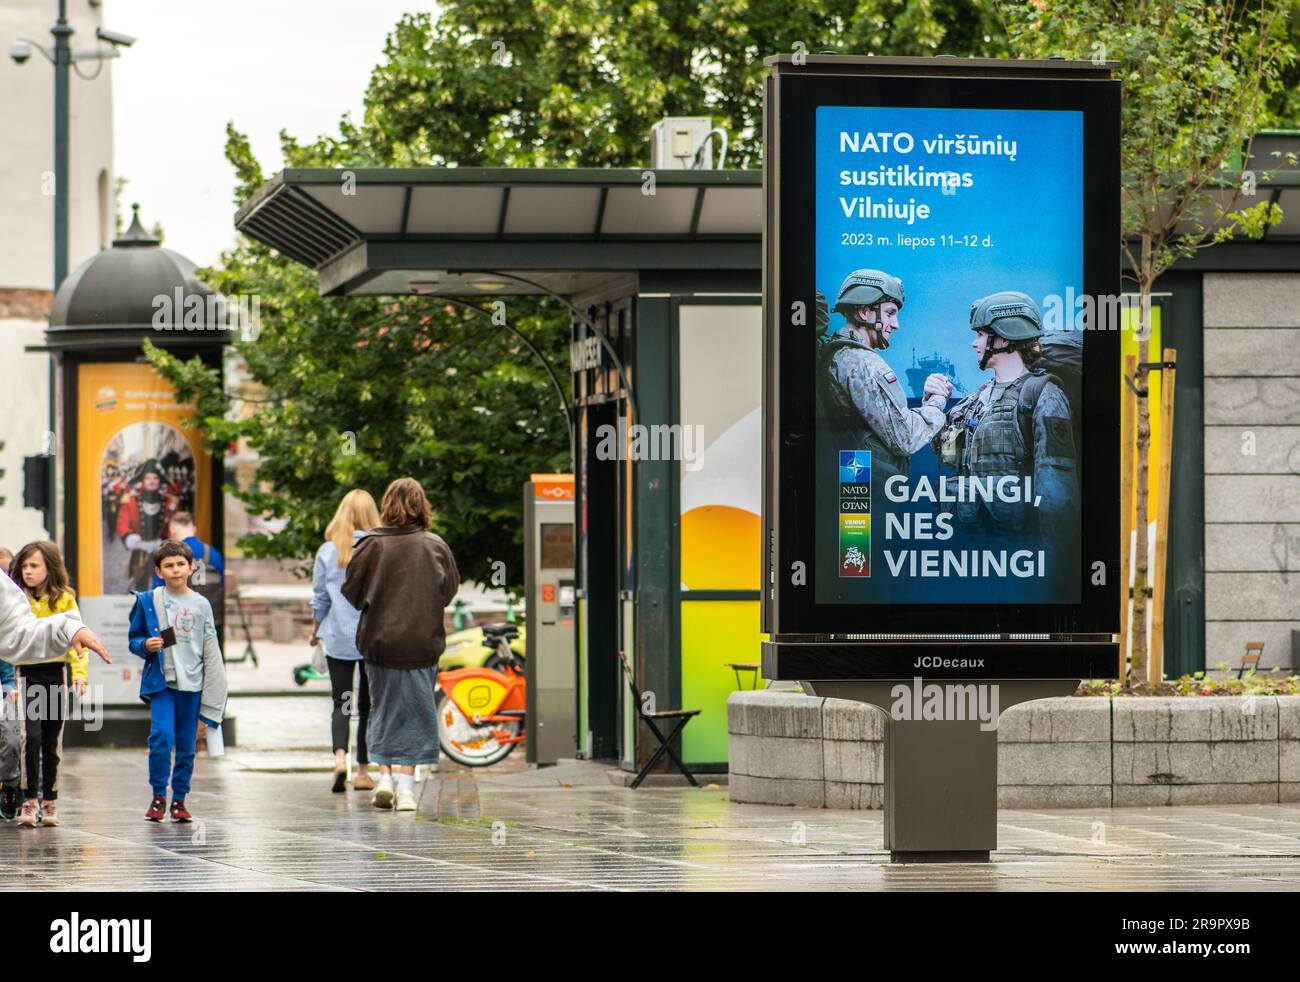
(793, 749)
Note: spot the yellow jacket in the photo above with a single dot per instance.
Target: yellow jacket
(80, 663)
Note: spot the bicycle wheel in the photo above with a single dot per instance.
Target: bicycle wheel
(466, 743)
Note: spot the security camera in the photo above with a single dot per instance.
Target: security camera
(20, 51)
(112, 37)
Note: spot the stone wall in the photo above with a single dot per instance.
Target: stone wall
(1252, 465)
(787, 748)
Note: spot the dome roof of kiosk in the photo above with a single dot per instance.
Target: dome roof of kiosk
(122, 288)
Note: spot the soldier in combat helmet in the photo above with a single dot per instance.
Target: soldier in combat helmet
(1016, 424)
(861, 397)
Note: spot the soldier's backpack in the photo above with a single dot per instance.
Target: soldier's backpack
(210, 584)
(827, 348)
(1062, 363)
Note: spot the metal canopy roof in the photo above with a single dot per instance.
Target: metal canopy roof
(454, 231)
(447, 230)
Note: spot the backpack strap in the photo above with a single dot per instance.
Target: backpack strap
(1027, 402)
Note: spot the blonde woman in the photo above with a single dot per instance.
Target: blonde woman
(336, 625)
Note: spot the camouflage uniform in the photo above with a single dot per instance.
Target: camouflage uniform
(994, 446)
(863, 402)
(868, 403)
(1019, 428)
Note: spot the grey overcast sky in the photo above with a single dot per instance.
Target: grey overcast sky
(266, 65)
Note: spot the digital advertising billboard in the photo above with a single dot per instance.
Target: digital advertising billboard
(941, 247)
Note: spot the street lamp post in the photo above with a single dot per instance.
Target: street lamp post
(62, 65)
(62, 58)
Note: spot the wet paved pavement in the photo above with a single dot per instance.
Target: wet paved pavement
(571, 828)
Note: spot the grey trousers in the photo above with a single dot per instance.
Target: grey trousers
(10, 740)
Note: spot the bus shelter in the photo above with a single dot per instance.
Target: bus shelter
(665, 267)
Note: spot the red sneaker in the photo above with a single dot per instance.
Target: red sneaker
(180, 813)
(157, 810)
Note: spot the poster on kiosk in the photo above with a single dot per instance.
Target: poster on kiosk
(941, 270)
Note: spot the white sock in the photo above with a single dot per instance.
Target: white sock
(406, 782)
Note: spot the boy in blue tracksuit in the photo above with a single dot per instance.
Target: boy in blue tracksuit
(182, 682)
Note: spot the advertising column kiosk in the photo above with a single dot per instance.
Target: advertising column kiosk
(941, 406)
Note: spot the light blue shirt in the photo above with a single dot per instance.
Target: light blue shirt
(190, 615)
(337, 618)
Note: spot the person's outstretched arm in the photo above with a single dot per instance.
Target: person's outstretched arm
(26, 638)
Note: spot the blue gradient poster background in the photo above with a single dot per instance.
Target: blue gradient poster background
(1013, 221)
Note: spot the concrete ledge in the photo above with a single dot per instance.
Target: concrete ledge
(1196, 794)
(793, 749)
(1209, 719)
(778, 791)
(1054, 796)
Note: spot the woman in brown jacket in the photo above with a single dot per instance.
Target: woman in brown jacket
(401, 578)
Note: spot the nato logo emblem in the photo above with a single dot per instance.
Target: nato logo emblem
(855, 466)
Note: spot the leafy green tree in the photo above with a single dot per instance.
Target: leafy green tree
(356, 391)
(1201, 78)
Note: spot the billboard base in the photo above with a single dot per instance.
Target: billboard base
(941, 772)
(950, 659)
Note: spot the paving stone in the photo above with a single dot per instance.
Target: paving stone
(1061, 719)
(1210, 764)
(506, 829)
(1219, 718)
(1063, 764)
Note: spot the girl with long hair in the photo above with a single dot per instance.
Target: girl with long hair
(43, 688)
(336, 626)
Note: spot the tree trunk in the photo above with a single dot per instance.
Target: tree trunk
(1138, 665)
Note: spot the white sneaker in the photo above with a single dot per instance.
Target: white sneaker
(383, 796)
(405, 800)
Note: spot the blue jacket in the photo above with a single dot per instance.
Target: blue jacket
(337, 618)
(144, 625)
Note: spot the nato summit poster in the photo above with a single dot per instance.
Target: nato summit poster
(948, 242)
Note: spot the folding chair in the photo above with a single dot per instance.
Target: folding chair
(1251, 658)
(683, 716)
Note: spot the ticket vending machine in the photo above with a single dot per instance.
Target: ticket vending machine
(549, 591)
